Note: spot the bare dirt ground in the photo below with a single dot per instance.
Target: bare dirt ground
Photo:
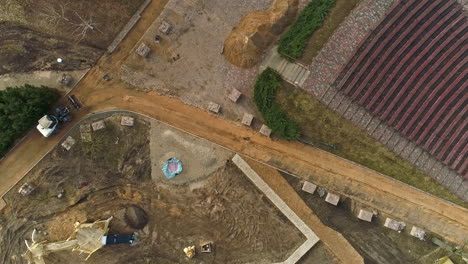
(112, 173)
(35, 33)
(344, 177)
(188, 63)
(38, 78)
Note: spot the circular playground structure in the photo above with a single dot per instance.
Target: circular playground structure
(172, 167)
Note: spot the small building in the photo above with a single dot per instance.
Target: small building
(214, 107)
(85, 131)
(309, 187)
(206, 247)
(165, 27)
(247, 119)
(365, 215)
(235, 95)
(265, 130)
(143, 50)
(332, 199)
(418, 232)
(127, 121)
(394, 224)
(26, 189)
(68, 143)
(98, 125)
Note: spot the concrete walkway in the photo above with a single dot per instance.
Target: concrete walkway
(334, 241)
(312, 239)
(294, 73)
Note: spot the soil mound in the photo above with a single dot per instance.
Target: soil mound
(136, 217)
(256, 31)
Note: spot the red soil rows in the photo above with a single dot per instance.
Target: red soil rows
(411, 72)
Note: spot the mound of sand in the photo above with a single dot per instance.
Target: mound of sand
(256, 31)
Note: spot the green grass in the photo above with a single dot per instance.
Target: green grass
(293, 43)
(266, 87)
(333, 20)
(320, 123)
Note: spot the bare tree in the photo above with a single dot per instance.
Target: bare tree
(83, 27)
(55, 14)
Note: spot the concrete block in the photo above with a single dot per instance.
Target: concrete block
(265, 130)
(214, 107)
(332, 199)
(234, 95)
(127, 121)
(98, 125)
(309, 187)
(143, 50)
(365, 215)
(68, 143)
(247, 119)
(85, 128)
(418, 232)
(394, 224)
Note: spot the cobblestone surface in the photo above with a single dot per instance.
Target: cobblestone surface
(351, 111)
(415, 155)
(442, 174)
(393, 141)
(388, 133)
(406, 153)
(373, 124)
(345, 102)
(378, 132)
(422, 159)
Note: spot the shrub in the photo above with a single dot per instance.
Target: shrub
(20, 108)
(295, 40)
(264, 96)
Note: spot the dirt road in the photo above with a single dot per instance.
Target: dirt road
(345, 177)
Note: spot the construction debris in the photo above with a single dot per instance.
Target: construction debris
(165, 27)
(26, 189)
(206, 247)
(214, 107)
(68, 143)
(127, 121)
(418, 232)
(189, 252)
(75, 102)
(247, 119)
(309, 187)
(332, 199)
(65, 79)
(98, 125)
(235, 95)
(87, 238)
(265, 130)
(394, 225)
(365, 215)
(321, 192)
(143, 50)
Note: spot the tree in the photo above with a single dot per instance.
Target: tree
(20, 108)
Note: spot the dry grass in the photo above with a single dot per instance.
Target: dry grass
(320, 123)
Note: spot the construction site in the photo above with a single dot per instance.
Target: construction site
(159, 151)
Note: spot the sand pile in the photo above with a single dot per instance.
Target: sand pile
(256, 31)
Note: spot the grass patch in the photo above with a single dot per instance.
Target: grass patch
(333, 20)
(266, 87)
(320, 123)
(295, 40)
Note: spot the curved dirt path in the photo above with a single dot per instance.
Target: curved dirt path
(325, 169)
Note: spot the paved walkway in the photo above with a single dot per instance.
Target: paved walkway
(271, 179)
(294, 73)
(306, 230)
(329, 63)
